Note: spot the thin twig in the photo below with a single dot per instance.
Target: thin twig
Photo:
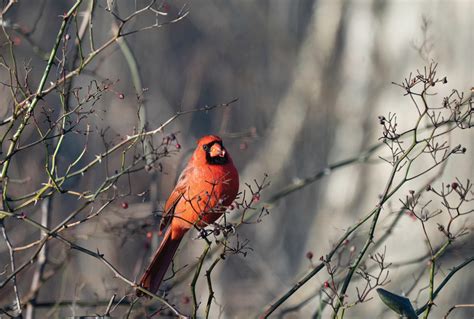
(13, 268)
(42, 259)
(457, 307)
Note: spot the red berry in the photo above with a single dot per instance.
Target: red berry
(454, 185)
(309, 255)
(121, 96)
(326, 284)
(124, 205)
(178, 146)
(411, 214)
(16, 41)
(149, 234)
(256, 198)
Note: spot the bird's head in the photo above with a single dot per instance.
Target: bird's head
(210, 150)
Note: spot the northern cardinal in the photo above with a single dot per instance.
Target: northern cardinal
(207, 185)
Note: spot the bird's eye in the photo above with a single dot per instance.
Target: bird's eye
(205, 147)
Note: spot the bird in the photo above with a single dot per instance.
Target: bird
(206, 187)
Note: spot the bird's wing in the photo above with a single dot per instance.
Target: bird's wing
(176, 195)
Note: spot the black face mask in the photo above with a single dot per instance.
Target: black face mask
(216, 160)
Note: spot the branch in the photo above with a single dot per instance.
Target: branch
(444, 282)
(29, 110)
(13, 269)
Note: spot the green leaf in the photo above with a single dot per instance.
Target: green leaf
(399, 304)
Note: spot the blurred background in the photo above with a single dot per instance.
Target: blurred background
(311, 78)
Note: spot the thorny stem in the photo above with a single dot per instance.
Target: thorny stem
(316, 269)
(443, 283)
(143, 127)
(300, 184)
(197, 272)
(49, 234)
(92, 56)
(433, 261)
(379, 242)
(38, 95)
(374, 213)
(430, 302)
(53, 233)
(209, 285)
(37, 195)
(386, 195)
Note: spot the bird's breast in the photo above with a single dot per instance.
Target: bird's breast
(209, 190)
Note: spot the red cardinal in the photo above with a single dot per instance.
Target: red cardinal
(207, 185)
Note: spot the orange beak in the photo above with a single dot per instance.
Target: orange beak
(217, 150)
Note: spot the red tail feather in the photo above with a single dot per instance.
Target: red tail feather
(156, 271)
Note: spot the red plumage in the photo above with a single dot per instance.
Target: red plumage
(208, 184)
